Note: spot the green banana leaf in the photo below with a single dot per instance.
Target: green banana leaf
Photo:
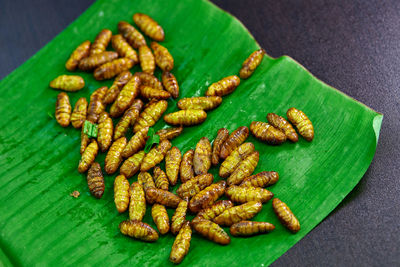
(40, 223)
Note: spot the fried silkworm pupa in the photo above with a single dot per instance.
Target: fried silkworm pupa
(149, 80)
(96, 106)
(105, 131)
(238, 213)
(132, 164)
(155, 155)
(150, 115)
(186, 171)
(162, 57)
(95, 180)
(119, 82)
(133, 36)
(235, 139)
(160, 179)
(222, 135)
(94, 61)
(114, 157)
(261, 179)
(137, 142)
(101, 42)
(202, 156)
(138, 230)
(126, 97)
(79, 53)
(268, 133)
(241, 194)
(173, 160)
(249, 228)
(244, 169)
(129, 118)
(179, 217)
(121, 193)
(302, 123)
(251, 63)
(69, 83)
(123, 48)
(187, 117)
(202, 102)
(147, 61)
(113, 68)
(78, 116)
(194, 185)
(88, 156)
(169, 133)
(223, 87)
(160, 218)
(232, 161)
(285, 215)
(137, 204)
(207, 197)
(149, 26)
(211, 231)
(84, 141)
(181, 244)
(213, 211)
(63, 109)
(163, 197)
(283, 125)
(145, 179)
(152, 93)
(170, 83)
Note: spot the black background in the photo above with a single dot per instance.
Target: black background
(353, 45)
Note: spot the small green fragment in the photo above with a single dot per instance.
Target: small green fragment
(90, 129)
(50, 115)
(153, 139)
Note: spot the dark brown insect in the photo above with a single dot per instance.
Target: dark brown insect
(169, 133)
(236, 138)
(249, 228)
(222, 135)
(285, 215)
(283, 125)
(268, 133)
(96, 60)
(96, 106)
(261, 179)
(207, 196)
(95, 180)
(113, 68)
(149, 80)
(194, 185)
(162, 57)
(133, 36)
(211, 231)
(170, 83)
(186, 171)
(163, 197)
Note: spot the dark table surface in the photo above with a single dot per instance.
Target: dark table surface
(353, 45)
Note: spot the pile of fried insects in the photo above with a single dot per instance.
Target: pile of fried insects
(141, 100)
